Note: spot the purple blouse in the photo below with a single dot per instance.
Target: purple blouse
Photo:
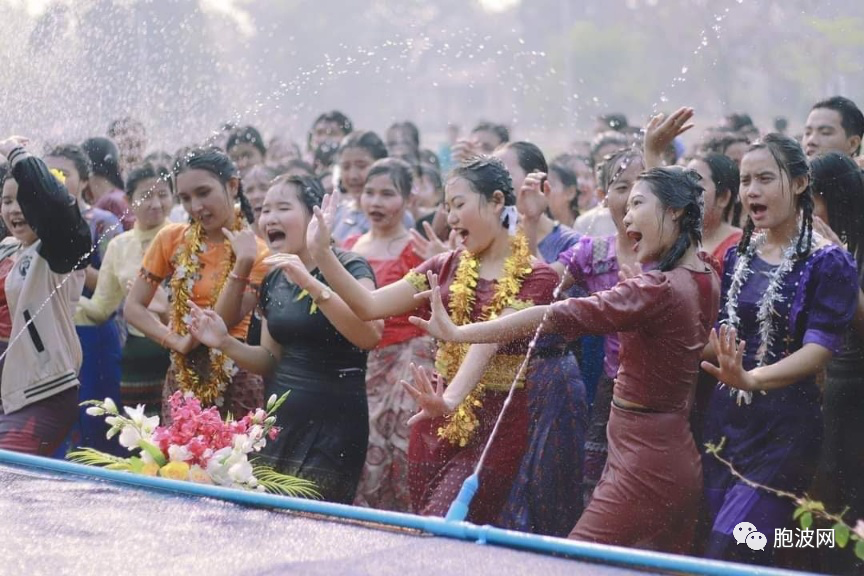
(593, 264)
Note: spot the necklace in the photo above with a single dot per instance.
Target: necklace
(187, 271)
(772, 296)
(463, 421)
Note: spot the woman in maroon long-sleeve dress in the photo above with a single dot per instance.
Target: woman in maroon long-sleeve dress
(650, 490)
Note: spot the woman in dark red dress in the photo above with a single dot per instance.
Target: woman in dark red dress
(491, 275)
(650, 490)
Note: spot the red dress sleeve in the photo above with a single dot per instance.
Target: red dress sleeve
(629, 305)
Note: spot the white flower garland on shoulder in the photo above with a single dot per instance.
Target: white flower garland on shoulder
(767, 304)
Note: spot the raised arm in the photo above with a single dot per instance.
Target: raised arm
(49, 209)
(364, 334)
(661, 131)
(108, 295)
(236, 300)
(391, 300)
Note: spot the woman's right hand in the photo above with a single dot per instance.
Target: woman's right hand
(319, 230)
(429, 246)
(207, 327)
(429, 398)
(661, 131)
(439, 325)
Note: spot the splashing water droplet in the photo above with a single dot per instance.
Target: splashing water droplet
(683, 70)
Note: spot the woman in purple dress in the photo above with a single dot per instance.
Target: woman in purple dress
(789, 296)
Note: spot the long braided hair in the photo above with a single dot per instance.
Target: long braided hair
(792, 162)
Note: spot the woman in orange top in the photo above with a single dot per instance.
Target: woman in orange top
(214, 261)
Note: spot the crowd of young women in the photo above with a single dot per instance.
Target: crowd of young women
(658, 306)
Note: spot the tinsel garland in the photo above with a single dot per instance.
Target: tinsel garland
(462, 423)
(186, 272)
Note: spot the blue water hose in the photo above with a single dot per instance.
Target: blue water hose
(432, 525)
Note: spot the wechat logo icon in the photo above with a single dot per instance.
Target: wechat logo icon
(746, 533)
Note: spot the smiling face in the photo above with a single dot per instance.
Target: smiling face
(284, 219)
(12, 216)
(474, 220)
(382, 202)
(619, 189)
(824, 133)
(649, 224)
(151, 203)
(74, 184)
(767, 194)
(206, 200)
(354, 164)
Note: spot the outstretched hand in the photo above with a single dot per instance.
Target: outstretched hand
(730, 354)
(661, 131)
(532, 196)
(293, 268)
(244, 244)
(429, 246)
(439, 325)
(207, 327)
(319, 231)
(429, 398)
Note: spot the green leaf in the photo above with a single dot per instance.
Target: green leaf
(799, 511)
(154, 452)
(841, 534)
(277, 483)
(806, 520)
(278, 403)
(859, 549)
(91, 457)
(136, 464)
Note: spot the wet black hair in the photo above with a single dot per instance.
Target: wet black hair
(246, 135)
(78, 157)
(325, 155)
(310, 192)
(793, 163)
(838, 180)
(366, 140)
(567, 175)
(851, 117)
(399, 171)
(146, 171)
(678, 189)
(739, 120)
(615, 164)
(726, 178)
(218, 163)
(296, 163)
(105, 159)
(529, 156)
(486, 175)
(720, 141)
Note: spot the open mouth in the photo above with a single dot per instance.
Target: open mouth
(636, 237)
(376, 215)
(757, 211)
(275, 236)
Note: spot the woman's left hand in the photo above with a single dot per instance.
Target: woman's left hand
(531, 198)
(244, 244)
(730, 359)
(431, 400)
(293, 268)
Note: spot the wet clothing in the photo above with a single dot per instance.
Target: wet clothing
(325, 420)
(774, 440)
(650, 489)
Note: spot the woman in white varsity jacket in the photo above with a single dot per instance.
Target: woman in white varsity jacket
(41, 276)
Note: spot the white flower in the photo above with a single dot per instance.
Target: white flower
(95, 411)
(177, 453)
(859, 529)
(130, 437)
(241, 472)
(147, 424)
(109, 406)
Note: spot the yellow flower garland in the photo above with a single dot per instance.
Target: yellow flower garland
(186, 272)
(462, 423)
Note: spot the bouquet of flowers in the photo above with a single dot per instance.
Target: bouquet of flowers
(197, 446)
